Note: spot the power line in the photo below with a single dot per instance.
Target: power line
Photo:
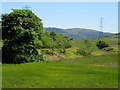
(101, 22)
(101, 27)
(26, 7)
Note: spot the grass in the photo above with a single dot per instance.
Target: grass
(86, 72)
(76, 71)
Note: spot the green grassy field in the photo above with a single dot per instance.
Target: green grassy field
(100, 70)
(86, 72)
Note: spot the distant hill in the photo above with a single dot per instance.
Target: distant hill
(117, 35)
(77, 33)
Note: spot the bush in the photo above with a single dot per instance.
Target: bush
(86, 50)
(102, 44)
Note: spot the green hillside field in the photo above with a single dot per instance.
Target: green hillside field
(100, 70)
(89, 72)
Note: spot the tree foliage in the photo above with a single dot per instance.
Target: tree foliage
(47, 40)
(63, 42)
(102, 44)
(21, 33)
(86, 50)
(52, 40)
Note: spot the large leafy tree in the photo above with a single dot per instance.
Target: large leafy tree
(21, 33)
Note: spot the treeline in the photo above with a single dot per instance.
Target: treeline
(23, 36)
(52, 41)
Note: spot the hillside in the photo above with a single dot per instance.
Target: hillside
(117, 35)
(77, 33)
(89, 72)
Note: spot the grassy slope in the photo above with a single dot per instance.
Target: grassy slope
(91, 72)
(95, 71)
(79, 44)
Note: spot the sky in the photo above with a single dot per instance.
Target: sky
(72, 14)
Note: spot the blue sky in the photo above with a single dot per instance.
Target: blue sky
(72, 14)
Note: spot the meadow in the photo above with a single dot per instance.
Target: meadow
(86, 72)
(100, 70)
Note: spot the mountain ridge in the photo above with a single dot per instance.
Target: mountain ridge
(77, 33)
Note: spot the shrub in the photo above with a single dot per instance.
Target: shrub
(102, 44)
(86, 50)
